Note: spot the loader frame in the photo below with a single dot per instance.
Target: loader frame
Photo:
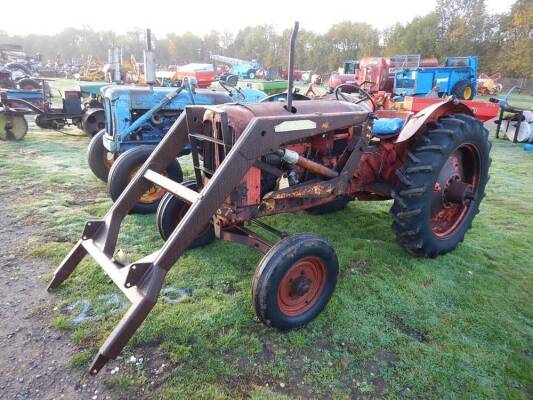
(142, 280)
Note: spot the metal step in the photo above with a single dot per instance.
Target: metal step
(177, 189)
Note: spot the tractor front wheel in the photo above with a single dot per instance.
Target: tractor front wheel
(93, 121)
(171, 211)
(441, 186)
(294, 281)
(99, 158)
(124, 170)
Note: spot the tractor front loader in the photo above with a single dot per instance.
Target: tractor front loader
(263, 159)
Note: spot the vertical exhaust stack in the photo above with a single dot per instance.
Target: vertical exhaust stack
(117, 63)
(290, 72)
(149, 60)
(114, 59)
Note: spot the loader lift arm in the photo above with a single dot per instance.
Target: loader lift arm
(142, 280)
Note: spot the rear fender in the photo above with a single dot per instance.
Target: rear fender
(429, 114)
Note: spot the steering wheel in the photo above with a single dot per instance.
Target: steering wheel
(232, 90)
(363, 94)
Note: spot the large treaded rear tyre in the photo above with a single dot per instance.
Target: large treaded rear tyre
(123, 171)
(294, 281)
(441, 186)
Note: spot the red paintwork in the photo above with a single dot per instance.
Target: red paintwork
(448, 217)
(313, 271)
(252, 179)
(203, 78)
(483, 110)
(379, 70)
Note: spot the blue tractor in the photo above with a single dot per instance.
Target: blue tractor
(458, 77)
(136, 120)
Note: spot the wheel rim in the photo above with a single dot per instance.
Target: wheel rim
(301, 286)
(153, 194)
(455, 190)
(467, 92)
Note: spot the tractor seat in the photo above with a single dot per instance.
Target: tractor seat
(383, 127)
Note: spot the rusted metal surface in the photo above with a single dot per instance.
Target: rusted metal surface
(431, 114)
(240, 179)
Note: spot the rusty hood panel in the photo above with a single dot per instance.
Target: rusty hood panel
(239, 115)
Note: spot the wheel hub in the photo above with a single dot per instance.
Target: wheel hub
(459, 192)
(454, 190)
(301, 286)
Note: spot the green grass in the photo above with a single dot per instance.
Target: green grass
(459, 326)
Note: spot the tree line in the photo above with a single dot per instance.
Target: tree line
(503, 42)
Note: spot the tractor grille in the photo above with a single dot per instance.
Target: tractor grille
(108, 116)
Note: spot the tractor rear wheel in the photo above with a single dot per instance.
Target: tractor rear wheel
(99, 158)
(463, 90)
(441, 186)
(171, 211)
(294, 281)
(124, 170)
(12, 126)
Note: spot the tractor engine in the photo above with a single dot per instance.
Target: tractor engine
(309, 159)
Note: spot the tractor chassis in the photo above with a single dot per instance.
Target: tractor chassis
(142, 280)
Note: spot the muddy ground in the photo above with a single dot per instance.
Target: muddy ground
(34, 359)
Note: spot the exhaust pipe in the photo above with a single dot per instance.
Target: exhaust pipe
(149, 61)
(291, 66)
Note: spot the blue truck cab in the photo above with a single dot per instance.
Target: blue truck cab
(458, 76)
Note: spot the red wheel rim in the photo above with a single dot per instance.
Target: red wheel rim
(301, 286)
(455, 190)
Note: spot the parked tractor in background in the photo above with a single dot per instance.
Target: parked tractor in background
(458, 77)
(257, 160)
(75, 108)
(136, 120)
(235, 66)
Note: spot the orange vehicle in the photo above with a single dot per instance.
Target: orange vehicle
(204, 74)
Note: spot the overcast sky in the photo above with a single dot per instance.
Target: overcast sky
(47, 17)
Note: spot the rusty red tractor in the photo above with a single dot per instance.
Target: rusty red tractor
(257, 160)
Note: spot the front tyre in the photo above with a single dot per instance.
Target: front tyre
(441, 186)
(99, 158)
(124, 170)
(171, 211)
(294, 281)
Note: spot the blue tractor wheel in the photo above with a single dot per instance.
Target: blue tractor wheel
(124, 170)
